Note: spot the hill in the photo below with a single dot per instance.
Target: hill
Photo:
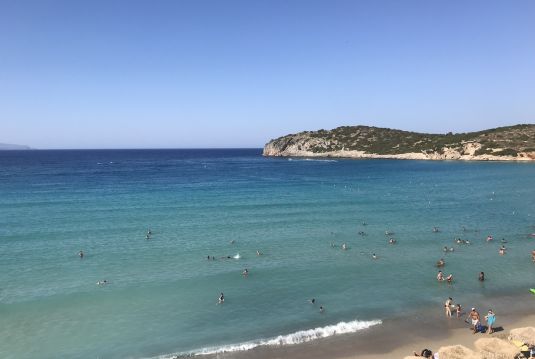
(7, 146)
(503, 143)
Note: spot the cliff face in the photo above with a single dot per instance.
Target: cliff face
(515, 143)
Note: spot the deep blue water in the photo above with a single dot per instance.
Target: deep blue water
(162, 293)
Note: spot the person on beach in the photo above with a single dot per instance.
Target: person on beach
(490, 318)
(481, 276)
(426, 353)
(458, 310)
(447, 307)
(474, 319)
(441, 262)
(440, 276)
(221, 298)
(81, 254)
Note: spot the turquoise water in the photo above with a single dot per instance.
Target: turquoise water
(162, 293)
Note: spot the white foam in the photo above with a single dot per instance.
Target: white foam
(299, 337)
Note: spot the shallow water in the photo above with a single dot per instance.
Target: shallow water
(162, 293)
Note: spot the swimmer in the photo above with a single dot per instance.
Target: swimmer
(232, 241)
(102, 282)
(344, 247)
(81, 254)
(313, 301)
(221, 298)
(441, 263)
(374, 256)
(322, 309)
(258, 253)
(481, 276)
(364, 223)
(388, 233)
(501, 251)
(440, 276)
(245, 273)
(452, 249)
(489, 238)
(449, 278)
(392, 241)
(147, 237)
(149, 232)
(435, 230)
(333, 245)
(467, 242)
(445, 249)
(458, 241)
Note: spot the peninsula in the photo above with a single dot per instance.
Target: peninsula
(511, 143)
(7, 146)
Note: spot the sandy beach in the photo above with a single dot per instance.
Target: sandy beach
(401, 336)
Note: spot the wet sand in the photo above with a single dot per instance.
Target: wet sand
(401, 336)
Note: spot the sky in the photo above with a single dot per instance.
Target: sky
(190, 74)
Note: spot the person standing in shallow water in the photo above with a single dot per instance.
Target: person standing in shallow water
(81, 254)
(447, 307)
(481, 276)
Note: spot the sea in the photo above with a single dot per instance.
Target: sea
(161, 294)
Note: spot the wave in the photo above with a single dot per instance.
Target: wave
(298, 337)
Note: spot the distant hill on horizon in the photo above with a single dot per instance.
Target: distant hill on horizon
(8, 146)
(515, 143)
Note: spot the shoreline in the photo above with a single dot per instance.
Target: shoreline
(400, 336)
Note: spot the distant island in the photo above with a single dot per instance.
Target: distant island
(7, 146)
(515, 143)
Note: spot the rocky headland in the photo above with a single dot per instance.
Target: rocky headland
(511, 143)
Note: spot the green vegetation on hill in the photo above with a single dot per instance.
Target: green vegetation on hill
(502, 141)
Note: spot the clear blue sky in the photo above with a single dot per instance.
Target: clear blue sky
(148, 74)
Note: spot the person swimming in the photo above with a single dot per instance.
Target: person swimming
(503, 240)
(392, 241)
(344, 247)
(245, 273)
(322, 309)
(374, 256)
(258, 253)
(445, 249)
(435, 230)
(102, 282)
(221, 298)
(81, 254)
(313, 301)
(481, 276)
(149, 232)
(449, 278)
(489, 238)
(147, 237)
(440, 276)
(441, 262)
